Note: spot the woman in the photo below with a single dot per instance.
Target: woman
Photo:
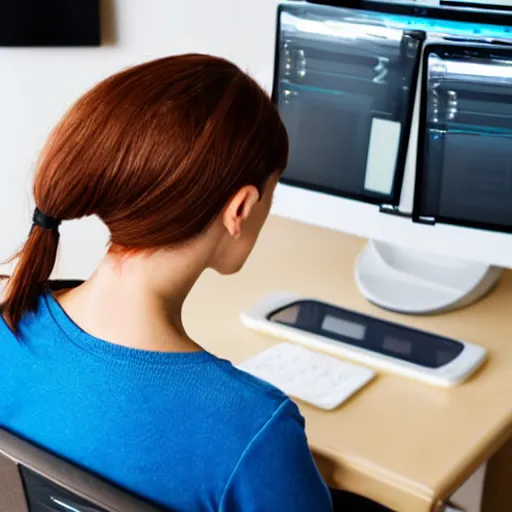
(179, 158)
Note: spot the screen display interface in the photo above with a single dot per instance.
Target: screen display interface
(344, 327)
(388, 339)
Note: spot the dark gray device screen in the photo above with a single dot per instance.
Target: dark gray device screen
(400, 342)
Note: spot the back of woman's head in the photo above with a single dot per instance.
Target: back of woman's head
(156, 152)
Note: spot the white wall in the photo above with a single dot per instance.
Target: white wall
(37, 86)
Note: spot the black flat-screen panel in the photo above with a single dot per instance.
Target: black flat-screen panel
(49, 23)
(464, 172)
(386, 338)
(345, 89)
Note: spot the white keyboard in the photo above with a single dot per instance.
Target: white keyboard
(314, 378)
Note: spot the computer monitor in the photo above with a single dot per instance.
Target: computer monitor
(401, 132)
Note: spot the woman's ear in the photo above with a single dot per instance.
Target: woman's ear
(239, 209)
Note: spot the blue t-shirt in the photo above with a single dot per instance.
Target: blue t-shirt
(185, 430)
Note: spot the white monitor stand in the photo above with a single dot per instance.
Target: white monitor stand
(416, 282)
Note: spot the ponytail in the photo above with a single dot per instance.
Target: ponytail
(36, 260)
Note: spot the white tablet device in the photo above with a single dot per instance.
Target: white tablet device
(384, 345)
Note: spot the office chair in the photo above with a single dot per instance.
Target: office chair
(33, 480)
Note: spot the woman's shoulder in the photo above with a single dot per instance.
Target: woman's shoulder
(254, 399)
(249, 384)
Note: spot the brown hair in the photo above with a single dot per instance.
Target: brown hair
(156, 152)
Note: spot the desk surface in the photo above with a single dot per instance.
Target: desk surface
(403, 443)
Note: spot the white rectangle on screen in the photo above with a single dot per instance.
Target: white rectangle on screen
(344, 327)
(382, 155)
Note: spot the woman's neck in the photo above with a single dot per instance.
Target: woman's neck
(137, 301)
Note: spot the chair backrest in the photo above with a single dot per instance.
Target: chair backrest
(33, 480)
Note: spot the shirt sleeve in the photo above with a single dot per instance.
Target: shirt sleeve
(276, 472)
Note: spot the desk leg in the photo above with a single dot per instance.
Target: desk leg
(498, 481)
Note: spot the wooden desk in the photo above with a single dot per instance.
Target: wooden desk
(399, 442)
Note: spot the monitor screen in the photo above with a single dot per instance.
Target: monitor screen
(465, 148)
(345, 89)
(49, 23)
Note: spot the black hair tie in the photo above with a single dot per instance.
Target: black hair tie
(45, 221)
